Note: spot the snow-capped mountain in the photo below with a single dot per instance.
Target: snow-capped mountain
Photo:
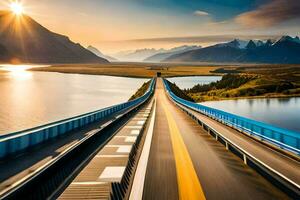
(284, 50)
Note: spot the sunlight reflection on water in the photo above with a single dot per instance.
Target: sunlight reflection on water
(29, 99)
(19, 72)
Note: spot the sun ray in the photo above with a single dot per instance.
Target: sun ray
(17, 8)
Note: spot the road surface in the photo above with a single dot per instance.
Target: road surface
(186, 163)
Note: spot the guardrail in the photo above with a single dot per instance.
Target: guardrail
(19, 141)
(282, 138)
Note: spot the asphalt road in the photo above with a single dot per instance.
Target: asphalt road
(186, 163)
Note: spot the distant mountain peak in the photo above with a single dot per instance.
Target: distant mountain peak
(236, 43)
(289, 39)
(269, 43)
(251, 45)
(286, 50)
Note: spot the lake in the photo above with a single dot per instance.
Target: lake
(29, 99)
(190, 81)
(281, 112)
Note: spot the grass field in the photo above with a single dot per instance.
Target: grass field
(144, 70)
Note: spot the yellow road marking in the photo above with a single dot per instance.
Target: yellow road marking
(188, 183)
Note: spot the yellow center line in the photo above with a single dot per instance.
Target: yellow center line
(188, 183)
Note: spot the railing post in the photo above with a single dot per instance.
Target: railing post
(226, 145)
(245, 159)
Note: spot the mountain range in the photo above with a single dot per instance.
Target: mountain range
(98, 53)
(23, 40)
(137, 55)
(152, 54)
(285, 50)
(167, 53)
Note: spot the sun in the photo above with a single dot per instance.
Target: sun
(16, 8)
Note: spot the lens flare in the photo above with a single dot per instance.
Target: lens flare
(16, 8)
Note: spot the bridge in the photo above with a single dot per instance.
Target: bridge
(158, 146)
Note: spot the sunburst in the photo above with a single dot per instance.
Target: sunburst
(17, 8)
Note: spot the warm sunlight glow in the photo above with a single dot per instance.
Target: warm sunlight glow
(17, 8)
(19, 72)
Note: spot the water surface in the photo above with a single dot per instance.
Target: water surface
(190, 81)
(29, 99)
(281, 112)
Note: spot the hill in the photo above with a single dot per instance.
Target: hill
(286, 50)
(23, 40)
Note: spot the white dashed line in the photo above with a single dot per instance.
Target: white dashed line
(130, 139)
(87, 183)
(111, 156)
(135, 132)
(140, 122)
(112, 173)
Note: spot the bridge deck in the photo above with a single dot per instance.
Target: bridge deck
(186, 161)
(109, 165)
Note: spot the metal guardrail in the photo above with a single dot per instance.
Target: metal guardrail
(282, 138)
(19, 141)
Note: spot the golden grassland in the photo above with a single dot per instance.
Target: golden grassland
(138, 70)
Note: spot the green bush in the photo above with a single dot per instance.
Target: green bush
(178, 92)
(141, 91)
(229, 81)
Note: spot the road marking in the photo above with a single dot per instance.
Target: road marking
(139, 177)
(121, 148)
(134, 127)
(111, 156)
(140, 122)
(114, 173)
(188, 183)
(116, 145)
(124, 149)
(87, 183)
(135, 132)
(130, 139)
(140, 118)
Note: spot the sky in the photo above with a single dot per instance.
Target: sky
(118, 25)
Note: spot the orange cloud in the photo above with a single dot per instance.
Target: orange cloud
(271, 14)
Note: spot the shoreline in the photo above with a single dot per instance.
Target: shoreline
(132, 70)
(92, 74)
(254, 97)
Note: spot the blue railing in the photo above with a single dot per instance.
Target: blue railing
(284, 139)
(22, 140)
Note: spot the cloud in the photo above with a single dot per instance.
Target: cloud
(271, 14)
(201, 13)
